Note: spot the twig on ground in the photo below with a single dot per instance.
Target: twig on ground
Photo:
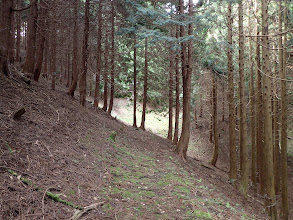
(79, 213)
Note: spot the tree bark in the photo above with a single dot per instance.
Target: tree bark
(73, 86)
(186, 78)
(145, 86)
(18, 27)
(5, 26)
(215, 124)
(252, 104)
(232, 136)
(112, 59)
(85, 52)
(244, 166)
(284, 166)
(99, 52)
(134, 82)
(268, 185)
(170, 126)
(68, 66)
(29, 63)
(12, 35)
(177, 110)
(53, 43)
(41, 40)
(46, 51)
(106, 69)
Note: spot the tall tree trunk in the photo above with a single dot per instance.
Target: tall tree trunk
(211, 118)
(5, 26)
(18, 28)
(106, 69)
(41, 40)
(223, 102)
(53, 55)
(99, 52)
(12, 35)
(46, 51)
(145, 86)
(244, 166)
(268, 185)
(284, 167)
(112, 58)
(182, 146)
(277, 165)
(170, 126)
(252, 104)
(31, 39)
(232, 136)
(85, 52)
(215, 124)
(73, 86)
(68, 65)
(259, 112)
(177, 110)
(134, 82)
(201, 107)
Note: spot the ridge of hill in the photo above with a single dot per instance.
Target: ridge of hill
(87, 157)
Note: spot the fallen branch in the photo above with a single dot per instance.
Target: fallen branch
(55, 197)
(17, 115)
(79, 213)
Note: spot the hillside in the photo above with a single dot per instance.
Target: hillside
(86, 157)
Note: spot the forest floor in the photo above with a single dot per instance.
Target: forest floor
(87, 158)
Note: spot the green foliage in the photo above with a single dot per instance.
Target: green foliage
(112, 136)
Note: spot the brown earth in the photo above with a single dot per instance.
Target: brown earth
(88, 157)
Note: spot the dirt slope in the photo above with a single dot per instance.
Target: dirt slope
(87, 157)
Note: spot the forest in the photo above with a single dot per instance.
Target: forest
(156, 109)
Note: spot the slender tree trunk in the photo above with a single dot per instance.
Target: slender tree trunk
(269, 185)
(244, 166)
(211, 118)
(106, 69)
(284, 166)
(186, 76)
(200, 114)
(68, 66)
(5, 26)
(177, 110)
(277, 165)
(25, 36)
(99, 46)
(134, 82)
(31, 39)
(85, 52)
(195, 117)
(18, 27)
(223, 102)
(46, 59)
(145, 86)
(259, 111)
(232, 136)
(170, 126)
(112, 59)
(41, 41)
(215, 124)
(12, 35)
(252, 105)
(73, 86)
(53, 55)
